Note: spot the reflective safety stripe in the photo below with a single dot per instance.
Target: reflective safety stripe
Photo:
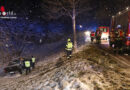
(68, 57)
(69, 49)
(27, 63)
(33, 60)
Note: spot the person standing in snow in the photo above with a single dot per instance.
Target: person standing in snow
(33, 62)
(69, 48)
(27, 66)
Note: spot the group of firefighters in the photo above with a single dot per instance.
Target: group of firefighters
(117, 37)
(27, 64)
(96, 35)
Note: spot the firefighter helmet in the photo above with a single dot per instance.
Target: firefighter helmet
(69, 40)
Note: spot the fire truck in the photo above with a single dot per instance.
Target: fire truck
(104, 32)
(121, 20)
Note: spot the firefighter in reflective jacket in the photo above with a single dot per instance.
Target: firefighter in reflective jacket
(33, 62)
(92, 35)
(69, 47)
(27, 66)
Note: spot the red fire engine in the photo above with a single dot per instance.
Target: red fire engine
(121, 20)
(104, 32)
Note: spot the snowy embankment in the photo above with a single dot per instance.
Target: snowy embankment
(52, 51)
(90, 69)
(46, 51)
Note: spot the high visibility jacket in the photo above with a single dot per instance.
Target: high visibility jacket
(69, 46)
(27, 63)
(33, 60)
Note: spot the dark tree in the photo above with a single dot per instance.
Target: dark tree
(54, 9)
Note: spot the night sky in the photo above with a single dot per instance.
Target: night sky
(101, 11)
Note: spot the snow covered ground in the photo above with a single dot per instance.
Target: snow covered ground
(89, 69)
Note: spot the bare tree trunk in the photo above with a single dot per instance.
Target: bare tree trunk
(74, 29)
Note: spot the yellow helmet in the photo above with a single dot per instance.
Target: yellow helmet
(69, 40)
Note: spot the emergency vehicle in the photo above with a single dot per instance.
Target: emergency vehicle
(121, 20)
(104, 32)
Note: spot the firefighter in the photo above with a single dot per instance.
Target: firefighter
(112, 38)
(119, 38)
(27, 66)
(98, 36)
(33, 62)
(116, 41)
(69, 47)
(21, 65)
(92, 35)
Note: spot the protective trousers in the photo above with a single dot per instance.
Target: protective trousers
(27, 70)
(69, 52)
